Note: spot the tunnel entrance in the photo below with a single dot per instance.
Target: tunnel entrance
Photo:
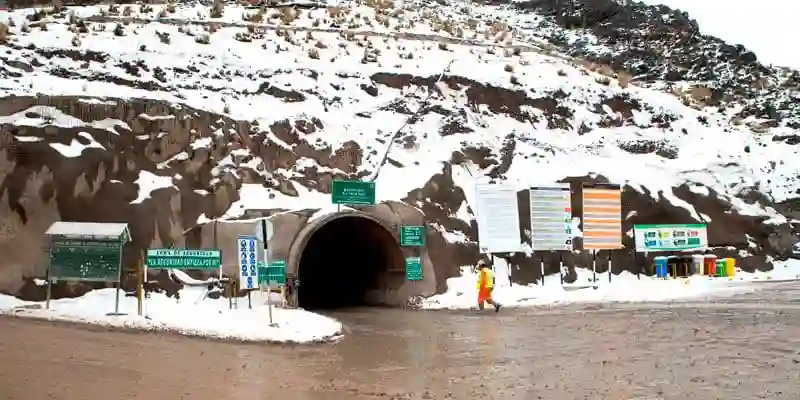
(345, 260)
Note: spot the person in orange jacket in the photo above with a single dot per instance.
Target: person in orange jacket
(486, 286)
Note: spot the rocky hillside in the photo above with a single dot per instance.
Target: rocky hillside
(168, 116)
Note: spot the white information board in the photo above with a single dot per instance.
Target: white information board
(497, 215)
(248, 262)
(551, 217)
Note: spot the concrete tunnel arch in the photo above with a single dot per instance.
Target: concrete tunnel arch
(345, 259)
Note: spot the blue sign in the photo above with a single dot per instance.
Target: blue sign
(248, 262)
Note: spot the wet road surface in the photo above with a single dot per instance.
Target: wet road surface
(745, 347)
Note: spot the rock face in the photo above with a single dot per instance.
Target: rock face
(184, 141)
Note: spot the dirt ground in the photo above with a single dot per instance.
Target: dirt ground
(747, 347)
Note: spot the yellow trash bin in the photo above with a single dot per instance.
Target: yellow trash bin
(730, 267)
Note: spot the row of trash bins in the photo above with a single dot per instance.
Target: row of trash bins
(703, 264)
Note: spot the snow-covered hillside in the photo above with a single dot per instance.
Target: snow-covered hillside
(470, 91)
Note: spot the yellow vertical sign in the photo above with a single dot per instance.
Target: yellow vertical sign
(602, 217)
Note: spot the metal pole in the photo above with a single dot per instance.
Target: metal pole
(594, 268)
(119, 281)
(561, 266)
(541, 267)
(266, 261)
(639, 269)
(249, 301)
(609, 266)
(49, 290)
(139, 287)
(216, 246)
(144, 294)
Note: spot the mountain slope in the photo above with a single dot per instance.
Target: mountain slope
(169, 124)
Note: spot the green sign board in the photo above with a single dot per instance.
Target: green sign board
(85, 260)
(413, 268)
(670, 237)
(353, 192)
(275, 274)
(412, 236)
(183, 259)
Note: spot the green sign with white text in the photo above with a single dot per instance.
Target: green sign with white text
(413, 269)
(670, 237)
(353, 192)
(412, 236)
(86, 260)
(183, 259)
(275, 274)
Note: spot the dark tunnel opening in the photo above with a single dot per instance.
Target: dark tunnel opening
(343, 261)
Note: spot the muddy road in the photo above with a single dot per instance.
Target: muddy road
(745, 347)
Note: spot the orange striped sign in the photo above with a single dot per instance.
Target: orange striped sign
(602, 217)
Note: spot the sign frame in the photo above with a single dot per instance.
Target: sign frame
(339, 189)
(640, 236)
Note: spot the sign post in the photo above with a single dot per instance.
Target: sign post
(412, 236)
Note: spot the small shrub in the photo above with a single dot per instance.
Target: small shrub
(119, 30)
(508, 68)
(313, 53)
(76, 41)
(203, 39)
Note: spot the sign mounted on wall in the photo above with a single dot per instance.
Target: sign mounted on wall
(497, 215)
(670, 237)
(602, 217)
(551, 217)
(412, 236)
(352, 192)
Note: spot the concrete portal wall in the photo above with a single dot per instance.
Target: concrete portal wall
(292, 230)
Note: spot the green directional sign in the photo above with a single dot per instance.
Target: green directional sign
(413, 269)
(85, 259)
(275, 274)
(183, 259)
(412, 236)
(352, 192)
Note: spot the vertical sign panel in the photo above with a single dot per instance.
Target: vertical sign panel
(551, 217)
(602, 217)
(498, 218)
(248, 262)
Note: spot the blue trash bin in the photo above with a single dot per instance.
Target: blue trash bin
(661, 269)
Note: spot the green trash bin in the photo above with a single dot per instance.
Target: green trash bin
(721, 268)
